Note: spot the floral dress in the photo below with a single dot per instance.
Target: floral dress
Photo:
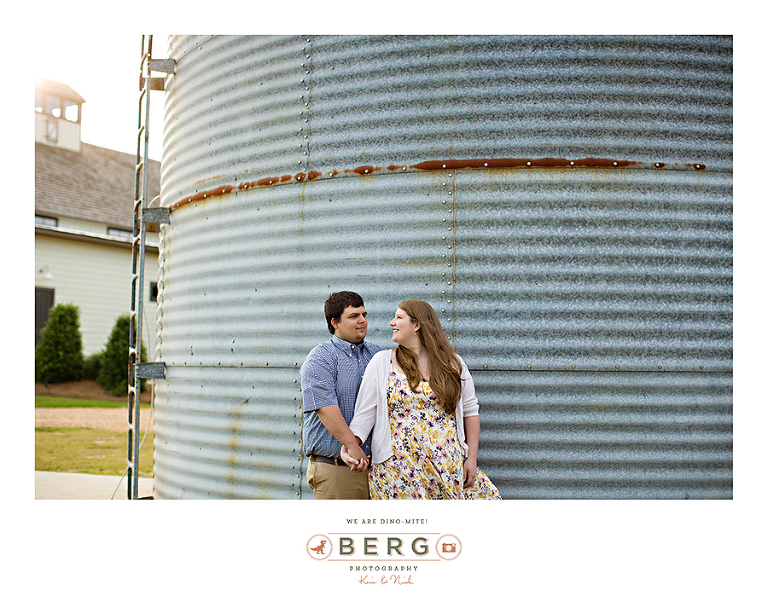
(428, 462)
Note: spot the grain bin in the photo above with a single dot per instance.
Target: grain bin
(565, 204)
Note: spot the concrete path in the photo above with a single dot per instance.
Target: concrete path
(58, 485)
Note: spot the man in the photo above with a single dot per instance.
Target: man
(330, 378)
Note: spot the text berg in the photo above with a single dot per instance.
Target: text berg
(419, 546)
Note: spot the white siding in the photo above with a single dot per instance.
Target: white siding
(69, 132)
(97, 278)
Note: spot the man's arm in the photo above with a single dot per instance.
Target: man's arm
(333, 420)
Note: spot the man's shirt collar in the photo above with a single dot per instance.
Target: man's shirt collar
(345, 346)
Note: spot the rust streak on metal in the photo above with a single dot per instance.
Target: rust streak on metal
(432, 165)
(272, 180)
(363, 170)
(516, 162)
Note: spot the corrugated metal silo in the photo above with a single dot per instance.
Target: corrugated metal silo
(565, 203)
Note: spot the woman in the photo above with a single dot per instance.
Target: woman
(419, 401)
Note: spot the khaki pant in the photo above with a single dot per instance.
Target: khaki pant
(329, 481)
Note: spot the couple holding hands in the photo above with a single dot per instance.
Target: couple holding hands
(390, 424)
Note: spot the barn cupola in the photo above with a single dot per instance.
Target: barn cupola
(58, 112)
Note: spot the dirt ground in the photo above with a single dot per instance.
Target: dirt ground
(98, 418)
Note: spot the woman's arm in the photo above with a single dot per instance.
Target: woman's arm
(472, 433)
(367, 400)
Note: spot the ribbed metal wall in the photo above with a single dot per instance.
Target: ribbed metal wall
(564, 203)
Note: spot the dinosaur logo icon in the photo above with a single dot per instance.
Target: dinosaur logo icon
(320, 550)
(319, 547)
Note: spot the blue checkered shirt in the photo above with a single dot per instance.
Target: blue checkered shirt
(330, 376)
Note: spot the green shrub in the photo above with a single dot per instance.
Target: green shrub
(59, 353)
(92, 366)
(113, 372)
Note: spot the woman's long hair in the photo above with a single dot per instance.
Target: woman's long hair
(444, 365)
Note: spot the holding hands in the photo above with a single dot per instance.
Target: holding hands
(355, 458)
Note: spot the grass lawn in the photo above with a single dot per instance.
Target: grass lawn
(46, 401)
(88, 451)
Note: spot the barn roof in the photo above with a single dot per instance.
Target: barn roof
(96, 184)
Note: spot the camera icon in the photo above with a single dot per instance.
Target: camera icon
(448, 547)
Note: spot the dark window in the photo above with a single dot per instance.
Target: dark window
(43, 304)
(152, 291)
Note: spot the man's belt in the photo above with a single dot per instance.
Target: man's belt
(337, 461)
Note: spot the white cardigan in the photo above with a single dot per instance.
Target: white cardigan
(371, 411)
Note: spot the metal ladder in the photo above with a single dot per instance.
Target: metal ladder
(141, 217)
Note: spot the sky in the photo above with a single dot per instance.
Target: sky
(103, 67)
